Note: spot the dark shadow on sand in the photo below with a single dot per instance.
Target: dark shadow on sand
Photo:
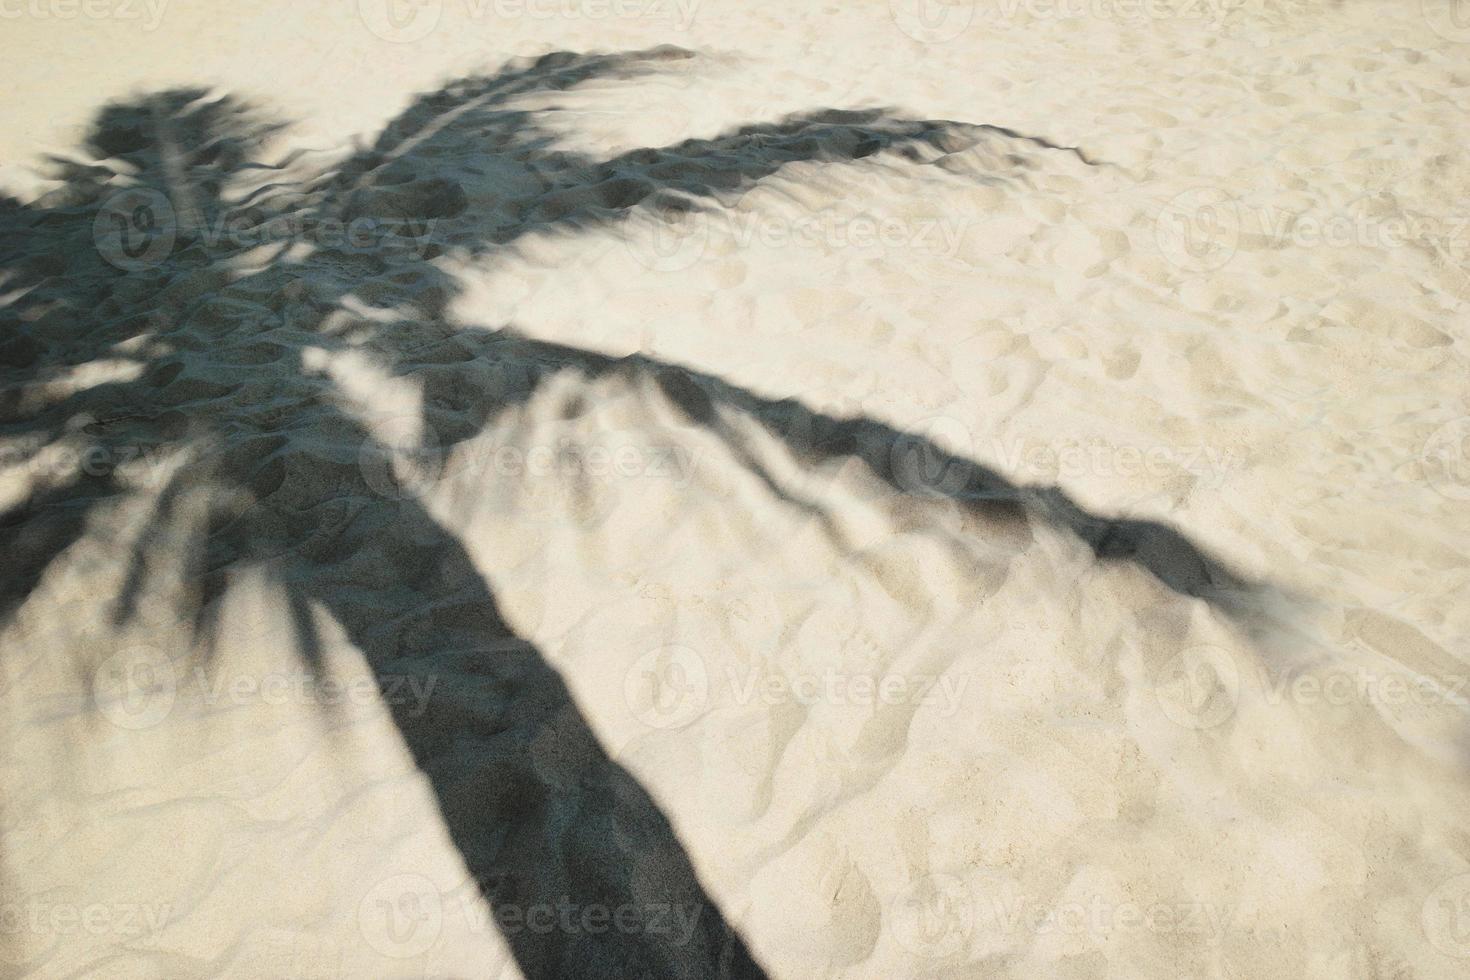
(212, 331)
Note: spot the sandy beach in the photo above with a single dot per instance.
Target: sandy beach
(690, 488)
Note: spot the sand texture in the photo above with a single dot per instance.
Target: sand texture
(865, 490)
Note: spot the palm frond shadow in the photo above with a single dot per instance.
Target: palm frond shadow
(216, 329)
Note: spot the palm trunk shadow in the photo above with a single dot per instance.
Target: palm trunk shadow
(547, 824)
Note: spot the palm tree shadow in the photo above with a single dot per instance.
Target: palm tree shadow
(213, 336)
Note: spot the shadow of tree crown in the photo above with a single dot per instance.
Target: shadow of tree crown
(194, 147)
(206, 349)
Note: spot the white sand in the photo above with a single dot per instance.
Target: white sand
(906, 719)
